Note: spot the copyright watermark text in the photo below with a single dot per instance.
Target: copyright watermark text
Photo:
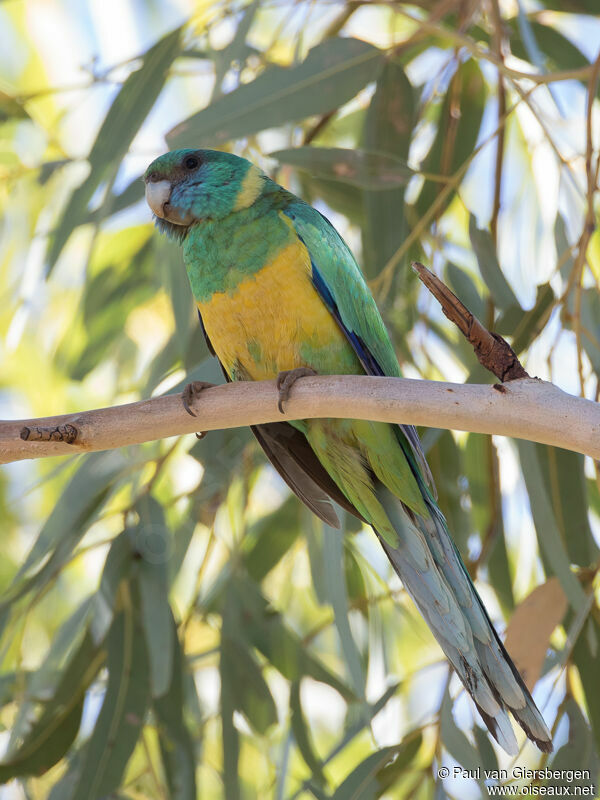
(561, 782)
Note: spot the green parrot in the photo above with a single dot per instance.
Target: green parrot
(279, 296)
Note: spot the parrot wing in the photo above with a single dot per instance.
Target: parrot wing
(340, 283)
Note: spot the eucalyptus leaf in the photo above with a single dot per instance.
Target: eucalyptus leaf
(333, 562)
(302, 735)
(333, 72)
(272, 537)
(458, 128)
(388, 128)
(365, 169)
(585, 657)
(362, 783)
(483, 245)
(176, 744)
(50, 736)
(454, 740)
(552, 546)
(123, 709)
(126, 114)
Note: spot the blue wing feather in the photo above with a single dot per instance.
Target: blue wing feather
(351, 304)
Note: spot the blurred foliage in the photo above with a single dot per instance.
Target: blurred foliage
(174, 624)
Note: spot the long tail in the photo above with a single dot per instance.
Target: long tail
(433, 574)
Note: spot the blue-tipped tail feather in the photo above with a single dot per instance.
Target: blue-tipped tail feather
(432, 572)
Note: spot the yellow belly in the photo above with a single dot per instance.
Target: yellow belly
(274, 320)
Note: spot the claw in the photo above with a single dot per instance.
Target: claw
(191, 392)
(286, 379)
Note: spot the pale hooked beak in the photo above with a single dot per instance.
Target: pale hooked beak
(158, 194)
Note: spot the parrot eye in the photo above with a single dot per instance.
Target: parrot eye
(191, 162)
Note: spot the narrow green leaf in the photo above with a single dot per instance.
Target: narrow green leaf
(77, 506)
(9, 685)
(552, 547)
(558, 52)
(41, 684)
(333, 72)
(487, 753)
(456, 743)
(594, 495)
(390, 120)
(176, 744)
(361, 783)
(564, 474)
(117, 567)
(11, 109)
(480, 462)
(563, 248)
(123, 709)
(365, 169)
(353, 730)
(333, 562)
(271, 538)
(237, 51)
(44, 680)
(573, 6)
(585, 656)
(346, 199)
(83, 497)
(458, 129)
(230, 736)
(152, 540)
(265, 629)
(109, 297)
(36, 758)
(127, 112)
(53, 732)
(314, 533)
(533, 321)
(113, 203)
(156, 620)
(302, 736)
(355, 582)
(244, 679)
(590, 323)
(63, 789)
(388, 775)
(483, 245)
(241, 677)
(463, 286)
(182, 537)
(175, 278)
(445, 459)
(454, 740)
(577, 753)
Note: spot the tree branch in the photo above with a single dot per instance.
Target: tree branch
(526, 408)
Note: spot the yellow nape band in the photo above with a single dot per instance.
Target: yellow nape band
(250, 189)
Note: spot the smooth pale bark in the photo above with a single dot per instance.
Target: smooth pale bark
(526, 408)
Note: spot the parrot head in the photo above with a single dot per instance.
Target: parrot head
(186, 187)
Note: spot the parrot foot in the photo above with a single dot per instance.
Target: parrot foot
(191, 392)
(286, 379)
